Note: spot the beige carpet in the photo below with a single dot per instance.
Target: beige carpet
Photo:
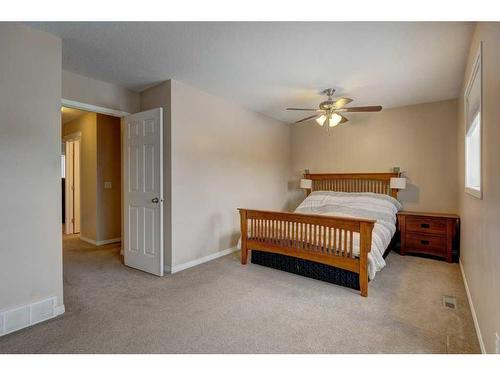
(223, 307)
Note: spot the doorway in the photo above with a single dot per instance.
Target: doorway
(114, 161)
(92, 183)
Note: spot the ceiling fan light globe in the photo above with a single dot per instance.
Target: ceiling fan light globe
(321, 120)
(334, 120)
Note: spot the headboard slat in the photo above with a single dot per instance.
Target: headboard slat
(353, 182)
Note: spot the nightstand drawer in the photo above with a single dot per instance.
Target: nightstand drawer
(429, 233)
(422, 224)
(426, 243)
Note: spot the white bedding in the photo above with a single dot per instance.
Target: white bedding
(379, 207)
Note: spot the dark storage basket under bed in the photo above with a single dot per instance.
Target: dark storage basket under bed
(309, 268)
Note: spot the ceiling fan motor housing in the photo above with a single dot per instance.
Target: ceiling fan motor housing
(328, 92)
(330, 103)
(326, 105)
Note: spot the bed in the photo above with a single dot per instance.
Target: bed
(340, 233)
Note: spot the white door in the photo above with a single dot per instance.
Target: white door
(72, 187)
(76, 186)
(143, 191)
(69, 215)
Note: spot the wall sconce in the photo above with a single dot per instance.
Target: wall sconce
(305, 183)
(398, 183)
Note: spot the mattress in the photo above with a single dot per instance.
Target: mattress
(379, 207)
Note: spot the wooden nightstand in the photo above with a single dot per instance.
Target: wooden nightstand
(428, 233)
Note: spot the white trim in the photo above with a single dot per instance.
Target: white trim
(476, 69)
(204, 259)
(72, 190)
(102, 242)
(28, 315)
(92, 108)
(59, 310)
(474, 192)
(88, 240)
(473, 310)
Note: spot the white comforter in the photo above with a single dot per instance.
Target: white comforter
(379, 207)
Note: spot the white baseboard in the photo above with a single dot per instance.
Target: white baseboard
(99, 243)
(198, 261)
(88, 240)
(24, 316)
(59, 310)
(472, 309)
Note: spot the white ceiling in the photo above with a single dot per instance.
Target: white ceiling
(270, 66)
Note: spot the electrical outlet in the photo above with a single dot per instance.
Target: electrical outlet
(497, 346)
(107, 185)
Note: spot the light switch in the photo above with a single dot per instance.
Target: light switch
(107, 185)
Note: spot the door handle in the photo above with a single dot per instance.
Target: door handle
(155, 200)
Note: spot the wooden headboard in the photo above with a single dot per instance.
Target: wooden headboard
(353, 182)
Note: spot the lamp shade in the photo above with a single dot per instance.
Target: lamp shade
(305, 183)
(398, 183)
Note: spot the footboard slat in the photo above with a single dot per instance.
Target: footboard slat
(323, 239)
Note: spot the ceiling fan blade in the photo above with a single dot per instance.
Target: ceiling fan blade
(373, 108)
(304, 109)
(307, 118)
(341, 102)
(344, 119)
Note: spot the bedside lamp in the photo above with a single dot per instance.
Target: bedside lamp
(305, 183)
(398, 183)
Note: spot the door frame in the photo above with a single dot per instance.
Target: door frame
(92, 108)
(120, 114)
(104, 111)
(72, 171)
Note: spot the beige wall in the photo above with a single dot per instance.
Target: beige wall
(108, 169)
(223, 157)
(100, 161)
(92, 91)
(420, 138)
(86, 125)
(218, 157)
(30, 166)
(480, 235)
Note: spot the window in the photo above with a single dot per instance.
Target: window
(473, 152)
(473, 131)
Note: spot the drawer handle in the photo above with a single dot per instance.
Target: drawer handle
(425, 225)
(424, 242)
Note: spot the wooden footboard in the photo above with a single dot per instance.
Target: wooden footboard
(321, 239)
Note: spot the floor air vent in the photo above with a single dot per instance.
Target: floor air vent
(450, 302)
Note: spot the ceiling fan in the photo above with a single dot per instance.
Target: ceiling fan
(329, 112)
